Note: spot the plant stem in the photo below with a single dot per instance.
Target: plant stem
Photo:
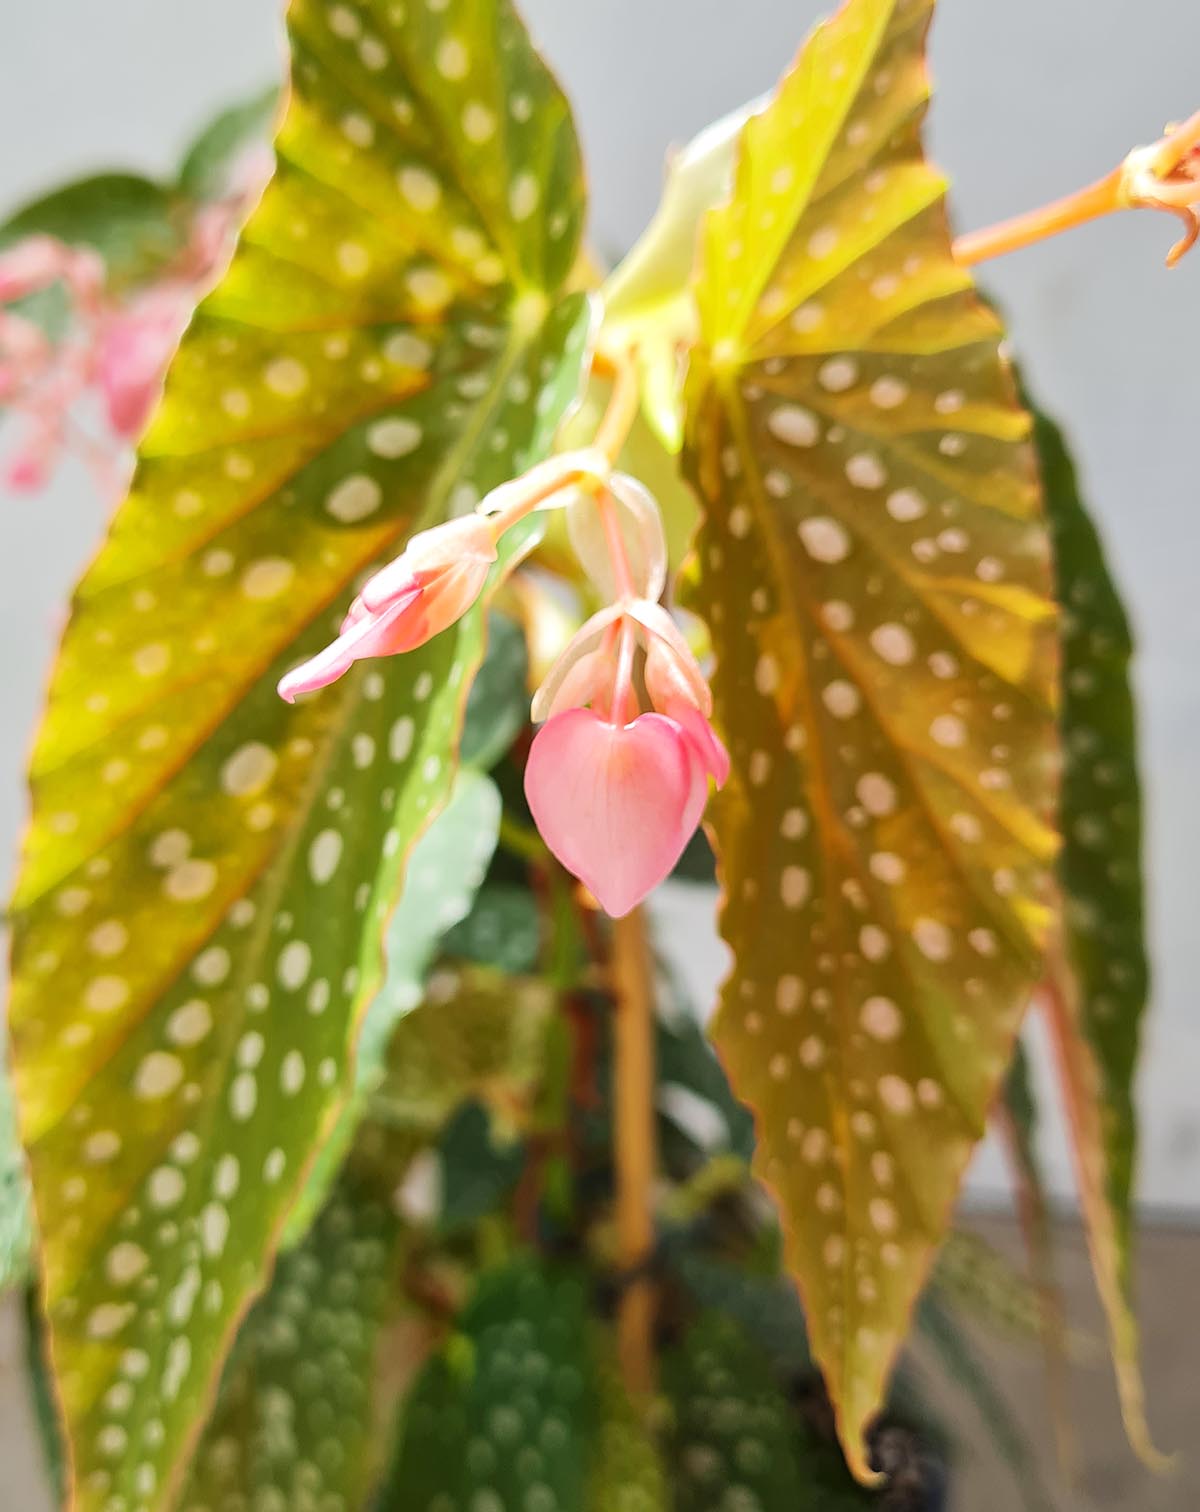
(613, 430)
(1035, 225)
(636, 1147)
(1162, 177)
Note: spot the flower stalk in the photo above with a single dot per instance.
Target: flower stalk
(1164, 176)
(636, 1151)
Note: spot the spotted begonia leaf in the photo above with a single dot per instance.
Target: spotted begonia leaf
(738, 1442)
(504, 1418)
(627, 1474)
(197, 923)
(1097, 1033)
(874, 572)
(445, 868)
(294, 1422)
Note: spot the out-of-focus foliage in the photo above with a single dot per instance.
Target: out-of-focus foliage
(506, 1413)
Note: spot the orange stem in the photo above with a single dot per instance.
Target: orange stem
(1160, 177)
(613, 430)
(1072, 210)
(636, 1148)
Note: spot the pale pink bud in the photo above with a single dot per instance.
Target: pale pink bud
(425, 590)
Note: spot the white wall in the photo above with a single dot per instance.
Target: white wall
(1034, 99)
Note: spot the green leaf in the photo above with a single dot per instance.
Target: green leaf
(210, 159)
(447, 864)
(1101, 863)
(294, 1425)
(737, 1441)
(685, 1059)
(875, 576)
(135, 224)
(1096, 1009)
(504, 1418)
(502, 929)
(980, 1281)
(764, 1307)
(498, 708)
(627, 1474)
(476, 1170)
(41, 1391)
(16, 1216)
(478, 1035)
(199, 917)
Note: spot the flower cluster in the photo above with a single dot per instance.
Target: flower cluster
(108, 363)
(617, 776)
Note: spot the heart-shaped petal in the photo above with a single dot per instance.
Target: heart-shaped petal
(616, 804)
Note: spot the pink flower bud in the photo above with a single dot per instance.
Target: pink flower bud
(424, 591)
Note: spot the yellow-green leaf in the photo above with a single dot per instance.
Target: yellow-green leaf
(874, 570)
(198, 920)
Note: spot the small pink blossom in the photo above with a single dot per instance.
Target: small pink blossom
(115, 350)
(135, 345)
(424, 591)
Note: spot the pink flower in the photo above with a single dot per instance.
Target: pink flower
(135, 346)
(433, 583)
(615, 803)
(36, 262)
(617, 798)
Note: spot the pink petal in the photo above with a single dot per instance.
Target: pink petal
(458, 543)
(704, 740)
(615, 804)
(363, 634)
(134, 352)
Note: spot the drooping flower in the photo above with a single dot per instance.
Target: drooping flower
(615, 803)
(615, 790)
(432, 583)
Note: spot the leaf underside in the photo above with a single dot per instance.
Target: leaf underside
(1096, 1008)
(208, 871)
(874, 572)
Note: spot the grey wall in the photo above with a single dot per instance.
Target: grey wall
(1034, 99)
